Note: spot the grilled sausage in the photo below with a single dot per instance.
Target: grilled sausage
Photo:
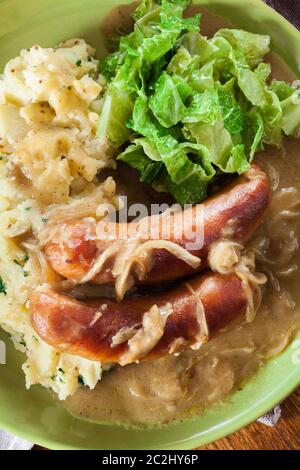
(74, 246)
(140, 328)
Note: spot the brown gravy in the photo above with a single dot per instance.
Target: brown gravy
(176, 388)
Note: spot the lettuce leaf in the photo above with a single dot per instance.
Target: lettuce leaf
(291, 114)
(237, 162)
(282, 89)
(132, 68)
(289, 98)
(253, 133)
(166, 103)
(204, 107)
(117, 109)
(135, 156)
(190, 191)
(215, 138)
(183, 108)
(253, 46)
(231, 110)
(185, 159)
(144, 8)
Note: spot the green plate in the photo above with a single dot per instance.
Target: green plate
(33, 414)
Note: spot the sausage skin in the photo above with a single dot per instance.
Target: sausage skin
(87, 328)
(239, 208)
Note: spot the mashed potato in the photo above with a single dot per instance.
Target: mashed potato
(50, 156)
(48, 118)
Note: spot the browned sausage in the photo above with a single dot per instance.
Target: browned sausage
(239, 208)
(102, 329)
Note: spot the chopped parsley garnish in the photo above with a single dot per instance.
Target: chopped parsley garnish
(61, 379)
(44, 219)
(80, 380)
(28, 208)
(18, 263)
(78, 63)
(22, 263)
(2, 287)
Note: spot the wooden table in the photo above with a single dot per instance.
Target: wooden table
(285, 436)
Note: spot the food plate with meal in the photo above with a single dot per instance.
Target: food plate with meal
(149, 214)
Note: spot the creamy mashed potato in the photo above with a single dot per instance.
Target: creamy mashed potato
(49, 111)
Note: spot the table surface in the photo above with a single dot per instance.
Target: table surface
(257, 436)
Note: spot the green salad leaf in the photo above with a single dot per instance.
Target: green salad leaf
(289, 98)
(253, 46)
(166, 102)
(183, 108)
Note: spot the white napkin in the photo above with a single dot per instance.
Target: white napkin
(271, 418)
(10, 442)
